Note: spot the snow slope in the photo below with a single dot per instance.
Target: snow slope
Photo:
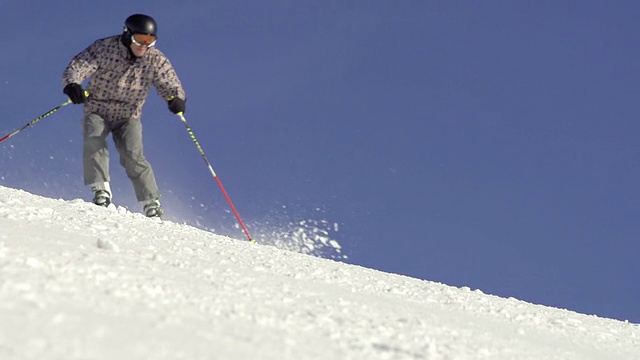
(82, 282)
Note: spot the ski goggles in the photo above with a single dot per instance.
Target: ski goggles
(143, 40)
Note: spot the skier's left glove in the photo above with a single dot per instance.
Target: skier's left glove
(177, 105)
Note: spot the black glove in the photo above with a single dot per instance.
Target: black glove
(177, 105)
(75, 93)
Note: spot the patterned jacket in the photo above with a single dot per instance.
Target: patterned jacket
(120, 82)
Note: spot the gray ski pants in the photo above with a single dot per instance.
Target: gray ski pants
(127, 136)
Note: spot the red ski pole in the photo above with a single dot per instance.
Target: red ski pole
(215, 177)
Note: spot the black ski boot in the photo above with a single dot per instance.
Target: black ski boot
(153, 209)
(102, 198)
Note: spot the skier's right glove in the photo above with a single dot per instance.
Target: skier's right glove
(75, 93)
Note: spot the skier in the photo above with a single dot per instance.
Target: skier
(121, 69)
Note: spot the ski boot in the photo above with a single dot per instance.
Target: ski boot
(102, 198)
(153, 209)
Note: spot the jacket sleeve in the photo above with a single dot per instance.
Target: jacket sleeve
(166, 80)
(82, 65)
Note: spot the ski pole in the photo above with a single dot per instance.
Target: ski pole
(36, 120)
(215, 177)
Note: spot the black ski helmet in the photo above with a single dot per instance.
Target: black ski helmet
(138, 24)
(141, 24)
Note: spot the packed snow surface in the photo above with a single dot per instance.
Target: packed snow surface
(82, 282)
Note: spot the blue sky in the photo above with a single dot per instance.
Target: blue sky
(483, 144)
